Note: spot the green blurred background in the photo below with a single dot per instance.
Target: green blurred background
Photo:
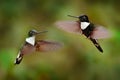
(78, 59)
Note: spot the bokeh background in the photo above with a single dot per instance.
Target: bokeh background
(78, 59)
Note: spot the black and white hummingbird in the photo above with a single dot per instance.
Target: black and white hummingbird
(31, 45)
(84, 26)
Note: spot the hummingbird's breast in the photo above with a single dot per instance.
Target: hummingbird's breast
(84, 25)
(31, 40)
(88, 30)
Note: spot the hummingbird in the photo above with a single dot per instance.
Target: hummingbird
(31, 44)
(84, 26)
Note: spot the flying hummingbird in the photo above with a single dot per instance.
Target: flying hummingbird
(31, 45)
(84, 26)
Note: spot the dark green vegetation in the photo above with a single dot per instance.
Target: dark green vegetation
(78, 59)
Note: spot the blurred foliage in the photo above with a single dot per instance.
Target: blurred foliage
(78, 59)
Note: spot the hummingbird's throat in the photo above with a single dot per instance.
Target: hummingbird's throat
(31, 40)
(84, 25)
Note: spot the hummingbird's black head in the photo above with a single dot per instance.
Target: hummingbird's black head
(84, 18)
(32, 33)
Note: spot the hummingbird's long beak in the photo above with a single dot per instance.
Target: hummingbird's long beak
(73, 16)
(41, 32)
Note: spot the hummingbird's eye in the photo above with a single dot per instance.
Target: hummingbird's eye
(32, 32)
(83, 18)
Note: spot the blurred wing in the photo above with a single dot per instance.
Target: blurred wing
(45, 46)
(69, 26)
(27, 49)
(100, 32)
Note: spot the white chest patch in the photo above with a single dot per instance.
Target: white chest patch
(31, 40)
(84, 25)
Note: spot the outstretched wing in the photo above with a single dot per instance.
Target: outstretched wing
(100, 32)
(69, 26)
(45, 46)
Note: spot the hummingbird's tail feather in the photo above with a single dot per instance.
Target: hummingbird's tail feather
(96, 44)
(18, 58)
